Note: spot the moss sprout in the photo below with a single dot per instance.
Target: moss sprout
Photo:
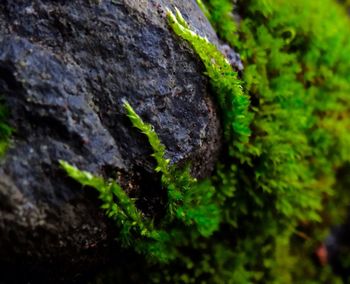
(5, 130)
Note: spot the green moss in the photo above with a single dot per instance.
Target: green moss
(5, 130)
(296, 57)
(188, 201)
(264, 211)
(225, 83)
(191, 210)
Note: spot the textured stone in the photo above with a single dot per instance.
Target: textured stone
(65, 67)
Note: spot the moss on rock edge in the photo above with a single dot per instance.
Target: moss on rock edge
(275, 188)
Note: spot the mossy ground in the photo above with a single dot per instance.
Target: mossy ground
(267, 207)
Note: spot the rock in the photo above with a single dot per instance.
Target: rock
(337, 245)
(65, 67)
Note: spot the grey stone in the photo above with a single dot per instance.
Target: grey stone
(65, 67)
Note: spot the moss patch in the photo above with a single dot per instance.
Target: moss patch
(5, 130)
(260, 217)
(296, 57)
(191, 211)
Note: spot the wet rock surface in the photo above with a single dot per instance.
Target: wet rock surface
(65, 67)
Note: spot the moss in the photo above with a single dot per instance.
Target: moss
(232, 100)
(191, 209)
(5, 130)
(296, 55)
(260, 217)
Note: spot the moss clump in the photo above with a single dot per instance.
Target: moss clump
(192, 212)
(225, 83)
(5, 130)
(296, 57)
(261, 215)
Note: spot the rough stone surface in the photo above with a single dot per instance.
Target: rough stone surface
(65, 67)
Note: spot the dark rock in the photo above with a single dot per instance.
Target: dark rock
(65, 67)
(337, 245)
